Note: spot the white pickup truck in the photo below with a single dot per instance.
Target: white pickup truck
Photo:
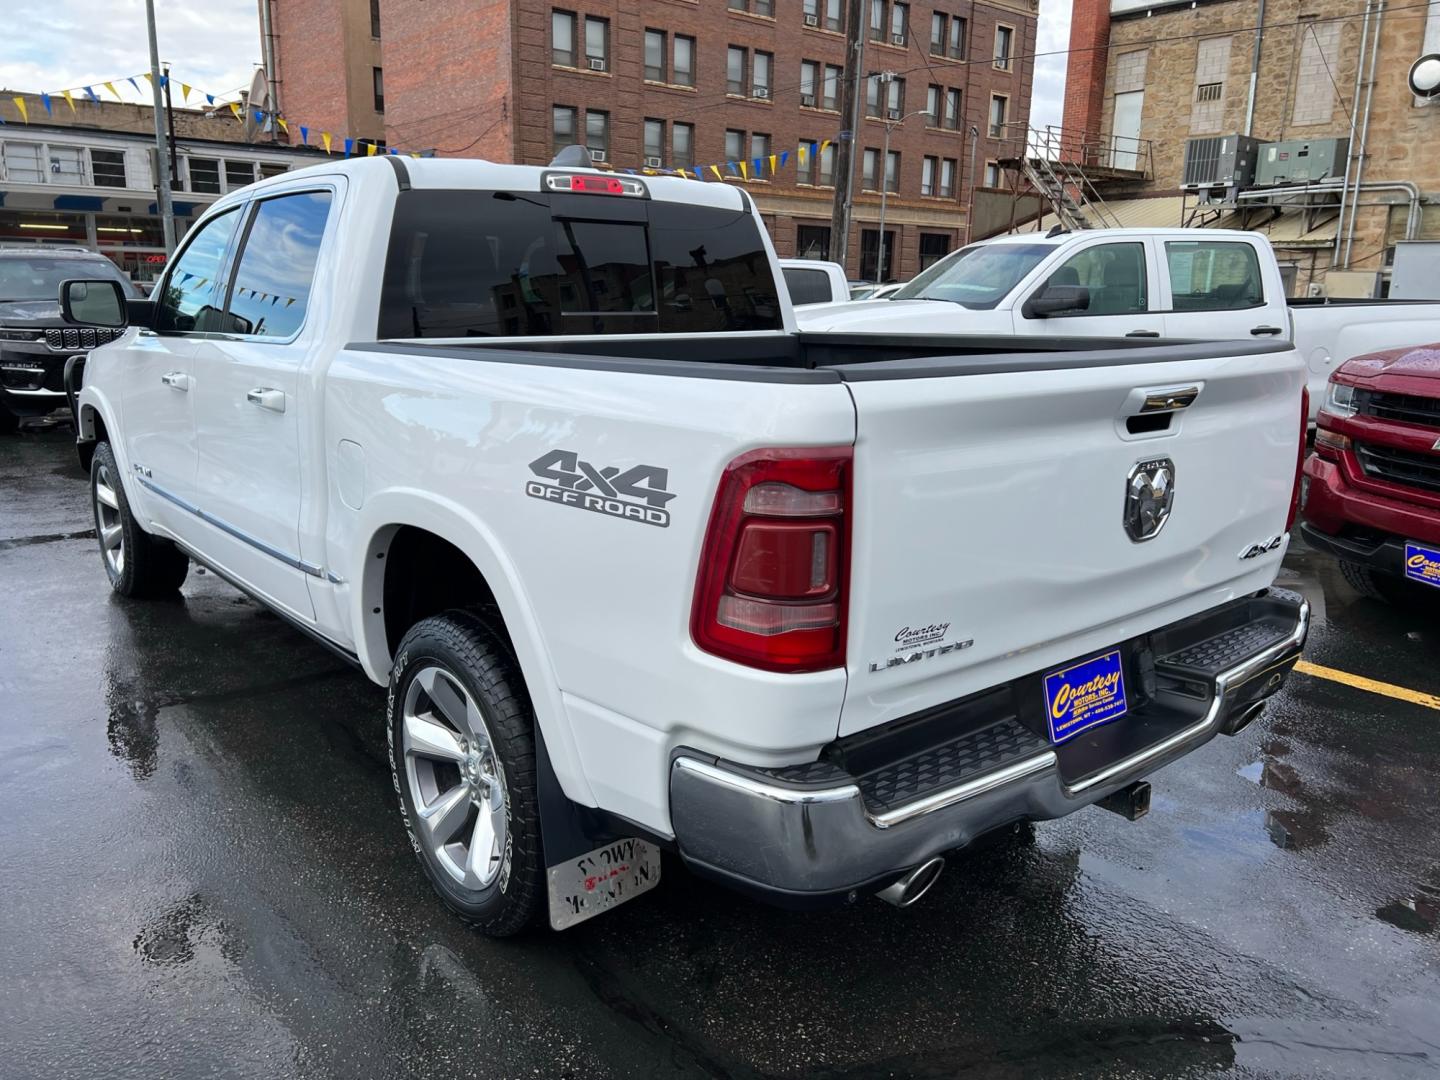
(1188, 284)
(645, 569)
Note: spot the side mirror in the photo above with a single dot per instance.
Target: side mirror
(1057, 300)
(93, 303)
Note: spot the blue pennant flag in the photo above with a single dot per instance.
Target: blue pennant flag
(349, 146)
(259, 117)
(731, 166)
(304, 135)
(209, 99)
(135, 84)
(164, 81)
(45, 100)
(784, 156)
(90, 93)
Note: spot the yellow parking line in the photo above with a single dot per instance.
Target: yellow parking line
(1400, 693)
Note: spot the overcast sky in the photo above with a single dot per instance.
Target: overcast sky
(213, 45)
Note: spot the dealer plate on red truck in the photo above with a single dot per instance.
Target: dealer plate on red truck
(1083, 695)
(1422, 564)
(604, 878)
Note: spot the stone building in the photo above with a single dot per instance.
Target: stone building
(685, 83)
(1168, 71)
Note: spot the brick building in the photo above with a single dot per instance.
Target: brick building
(681, 83)
(1169, 71)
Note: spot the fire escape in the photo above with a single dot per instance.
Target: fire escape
(1071, 172)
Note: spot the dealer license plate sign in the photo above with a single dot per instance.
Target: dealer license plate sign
(1083, 695)
(605, 878)
(1422, 564)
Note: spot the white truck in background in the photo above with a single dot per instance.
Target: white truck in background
(541, 451)
(1187, 284)
(814, 281)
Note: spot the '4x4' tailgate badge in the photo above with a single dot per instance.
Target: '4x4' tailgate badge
(637, 494)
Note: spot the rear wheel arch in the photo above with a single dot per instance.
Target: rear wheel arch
(416, 570)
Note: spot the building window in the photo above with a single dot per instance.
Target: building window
(759, 148)
(378, 80)
(760, 76)
(951, 120)
(562, 127)
(754, 7)
(562, 38)
(238, 174)
(869, 254)
(1212, 63)
(892, 172)
(895, 99)
(809, 75)
(735, 65)
(834, 16)
(67, 165)
(682, 145)
(597, 43)
(22, 163)
(956, 48)
(683, 71)
(928, 168)
(933, 248)
(204, 175)
(831, 18)
(998, 106)
(812, 241)
(869, 170)
(827, 166)
(899, 24)
(1209, 91)
(375, 18)
(272, 168)
(597, 134)
(655, 55)
(1004, 41)
(734, 144)
(937, 34)
(885, 100)
(877, 20)
(948, 169)
(654, 143)
(992, 175)
(872, 96)
(932, 105)
(830, 97)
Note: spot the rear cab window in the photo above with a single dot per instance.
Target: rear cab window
(808, 286)
(514, 264)
(1213, 275)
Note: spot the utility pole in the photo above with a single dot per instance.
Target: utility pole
(970, 213)
(162, 182)
(845, 150)
(170, 123)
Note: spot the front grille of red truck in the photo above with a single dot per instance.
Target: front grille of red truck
(1404, 467)
(1408, 408)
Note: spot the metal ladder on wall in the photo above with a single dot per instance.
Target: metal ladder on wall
(1054, 179)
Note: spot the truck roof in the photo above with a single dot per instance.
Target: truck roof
(480, 175)
(1164, 234)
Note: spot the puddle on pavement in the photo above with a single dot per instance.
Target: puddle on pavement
(1419, 913)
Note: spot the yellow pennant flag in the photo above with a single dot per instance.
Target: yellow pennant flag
(235, 110)
(801, 150)
(745, 170)
(415, 155)
(825, 146)
(325, 138)
(68, 99)
(111, 87)
(773, 159)
(716, 170)
(20, 104)
(185, 93)
(283, 125)
(370, 150)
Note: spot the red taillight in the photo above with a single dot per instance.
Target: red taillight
(597, 185)
(771, 591)
(1299, 458)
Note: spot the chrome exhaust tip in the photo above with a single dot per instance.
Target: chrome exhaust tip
(914, 884)
(1245, 719)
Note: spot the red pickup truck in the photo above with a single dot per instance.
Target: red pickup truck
(1372, 495)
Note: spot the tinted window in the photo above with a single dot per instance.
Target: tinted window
(277, 265)
(1213, 275)
(38, 277)
(1114, 274)
(808, 286)
(192, 297)
(979, 276)
(485, 264)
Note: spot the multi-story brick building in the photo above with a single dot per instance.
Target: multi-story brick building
(686, 83)
(1167, 71)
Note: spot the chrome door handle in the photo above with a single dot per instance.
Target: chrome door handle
(1261, 331)
(176, 380)
(1143, 333)
(267, 398)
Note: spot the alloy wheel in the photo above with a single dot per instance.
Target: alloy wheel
(107, 522)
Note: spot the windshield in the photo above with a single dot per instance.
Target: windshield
(978, 276)
(38, 277)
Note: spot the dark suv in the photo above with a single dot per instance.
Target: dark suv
(35, 341)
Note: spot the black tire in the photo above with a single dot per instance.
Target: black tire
(9, 422)
(148, 566)
(1363, 580)
(463, 647)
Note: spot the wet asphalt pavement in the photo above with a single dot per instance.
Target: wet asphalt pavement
(204, 875)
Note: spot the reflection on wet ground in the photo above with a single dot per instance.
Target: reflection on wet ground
(204, 875)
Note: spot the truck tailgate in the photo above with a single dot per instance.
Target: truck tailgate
(990, 539)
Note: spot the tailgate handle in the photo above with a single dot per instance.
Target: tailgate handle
(1261, 331)
(1171, 400)
(1143, 333)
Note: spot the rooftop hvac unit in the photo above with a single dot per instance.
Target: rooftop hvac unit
(1302, 162)
(1219, 161)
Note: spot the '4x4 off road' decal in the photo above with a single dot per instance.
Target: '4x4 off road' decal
(637, 494)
